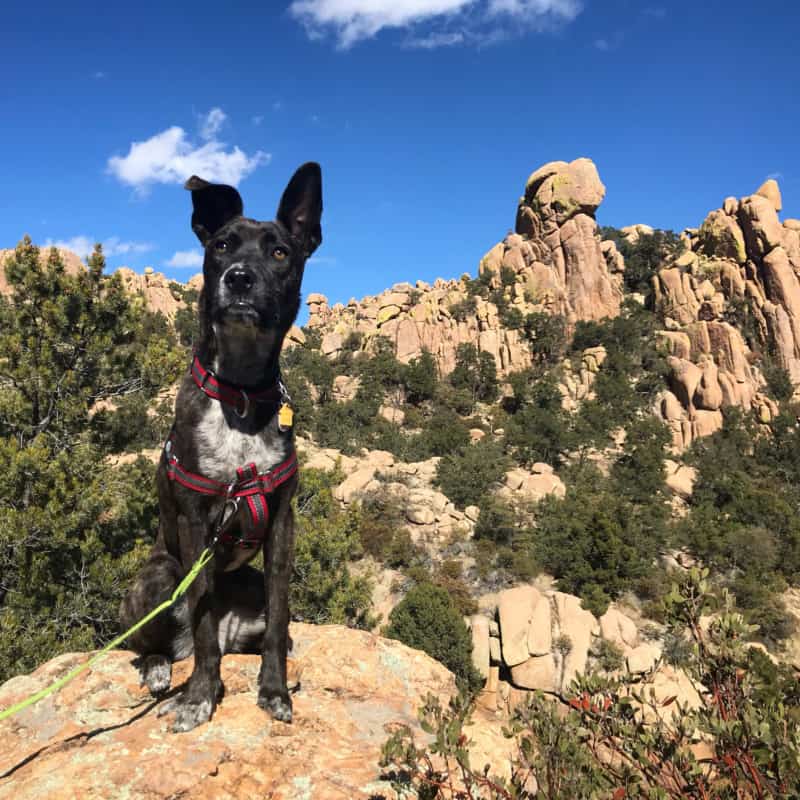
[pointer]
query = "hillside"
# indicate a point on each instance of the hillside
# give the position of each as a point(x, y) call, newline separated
point(508, 471)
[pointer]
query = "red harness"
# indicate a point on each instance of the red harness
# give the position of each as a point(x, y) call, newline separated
point(251, 486)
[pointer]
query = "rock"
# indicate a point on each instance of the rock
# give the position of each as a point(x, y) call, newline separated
point(619, 629)
point(515, 610)
point(316, 299)
point(578, 626)
point(495, 652)
point(563, 190)
point(420, 515)
point(332, 344)
point(642, 658)
point(537, 672)
point(759, 221)
point(540, 628)
point(770, 190)
point(680, 479)
point(354, 484)
point(479, 628)
point(100, 736)
point(472, 513)
point(720, 236)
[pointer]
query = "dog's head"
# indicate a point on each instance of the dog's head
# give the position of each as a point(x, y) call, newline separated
point(252, 270)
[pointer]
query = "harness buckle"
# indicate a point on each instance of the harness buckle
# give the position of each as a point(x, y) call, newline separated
point(227, 514)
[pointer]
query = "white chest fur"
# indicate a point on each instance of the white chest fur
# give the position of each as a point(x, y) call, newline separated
point(221, 449)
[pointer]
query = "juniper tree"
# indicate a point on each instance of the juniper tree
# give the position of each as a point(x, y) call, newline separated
point(72, 528)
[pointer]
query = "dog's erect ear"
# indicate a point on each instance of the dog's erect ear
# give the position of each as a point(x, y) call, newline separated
point(301, 206)
point(214, 204)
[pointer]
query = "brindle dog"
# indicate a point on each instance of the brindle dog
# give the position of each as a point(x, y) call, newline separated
point(252, 273)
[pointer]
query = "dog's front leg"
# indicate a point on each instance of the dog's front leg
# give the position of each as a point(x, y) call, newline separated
point(196, 704)
point(273, 693)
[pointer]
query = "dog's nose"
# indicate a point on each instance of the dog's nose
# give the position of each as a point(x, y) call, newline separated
point(239, 280)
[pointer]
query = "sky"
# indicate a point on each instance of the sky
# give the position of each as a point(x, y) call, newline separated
point(427, 117)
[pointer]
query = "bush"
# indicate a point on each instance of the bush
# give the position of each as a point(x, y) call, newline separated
point(428, 619)
point(595, 541)
point(644, 257)
point(322, 589)
point(475, 373)
point(467, 475)
point(601, 745)
point(547, 337)
point(539, 430)
point(420, 378)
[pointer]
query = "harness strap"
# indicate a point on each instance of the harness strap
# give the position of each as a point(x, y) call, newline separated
point(234, 396)
point(249, 484)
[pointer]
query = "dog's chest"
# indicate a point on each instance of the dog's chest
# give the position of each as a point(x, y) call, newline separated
point(222, 449)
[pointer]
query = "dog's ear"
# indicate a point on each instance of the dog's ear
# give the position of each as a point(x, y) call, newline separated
point(301, 206)
point(214, 204)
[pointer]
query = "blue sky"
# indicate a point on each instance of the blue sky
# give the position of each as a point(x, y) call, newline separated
point(426, 115)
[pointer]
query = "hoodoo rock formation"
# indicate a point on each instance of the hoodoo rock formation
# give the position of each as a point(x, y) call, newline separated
point(730, 297)
point(556, 257)
point(734, 293)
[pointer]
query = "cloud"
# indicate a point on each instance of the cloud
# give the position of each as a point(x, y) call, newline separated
point(212, 123)
point(351, 21)
point(113, 246)
point(99, 75)
point(184, 259)
point(171, 157)
point(656, 12)
point(608, 43)
point(257, 119)
point(434, 40)
point(277, 106)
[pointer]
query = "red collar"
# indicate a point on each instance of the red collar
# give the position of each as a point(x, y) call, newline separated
point(234, 396)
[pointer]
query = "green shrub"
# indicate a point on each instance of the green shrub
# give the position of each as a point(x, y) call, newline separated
point(428, 619)
point(327, 539)
point(467, 475)
point(420, 378)
point(613, 741)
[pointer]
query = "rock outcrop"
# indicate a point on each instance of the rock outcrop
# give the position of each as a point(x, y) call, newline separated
point(735, 292)
point(541, 639)
point(72, 264)
point(557, 260)
point(99, 737)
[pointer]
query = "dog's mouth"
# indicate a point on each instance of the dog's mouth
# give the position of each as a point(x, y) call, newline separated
point(241, 310)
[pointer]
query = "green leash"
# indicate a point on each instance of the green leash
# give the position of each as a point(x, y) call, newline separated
point(205, 557)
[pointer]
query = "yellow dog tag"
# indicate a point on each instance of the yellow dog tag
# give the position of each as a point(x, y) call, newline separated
point(285, 417)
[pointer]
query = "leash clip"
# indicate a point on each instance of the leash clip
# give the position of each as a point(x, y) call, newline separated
point(242, 414)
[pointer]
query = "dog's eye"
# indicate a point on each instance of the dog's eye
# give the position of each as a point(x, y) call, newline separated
point(279, 254)
point(221, 246)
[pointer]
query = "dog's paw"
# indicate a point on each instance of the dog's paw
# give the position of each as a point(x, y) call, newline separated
point(156, 674)
point(188, 713)
point(278, 707)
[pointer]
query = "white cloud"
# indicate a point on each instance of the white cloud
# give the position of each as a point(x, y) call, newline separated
point(602, 44)
point(277, 106)
point(183, 259)
point(99, 75)
point(212, 123)
point(171, 157)
point(257, 119)
point(353, 20)
point(556, 10)
point(113, 246)
point(434, 40)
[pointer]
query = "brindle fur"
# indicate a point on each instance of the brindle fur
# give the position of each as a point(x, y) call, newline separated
point(250, 298)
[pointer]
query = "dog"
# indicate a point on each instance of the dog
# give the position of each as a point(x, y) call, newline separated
point(228, 470)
